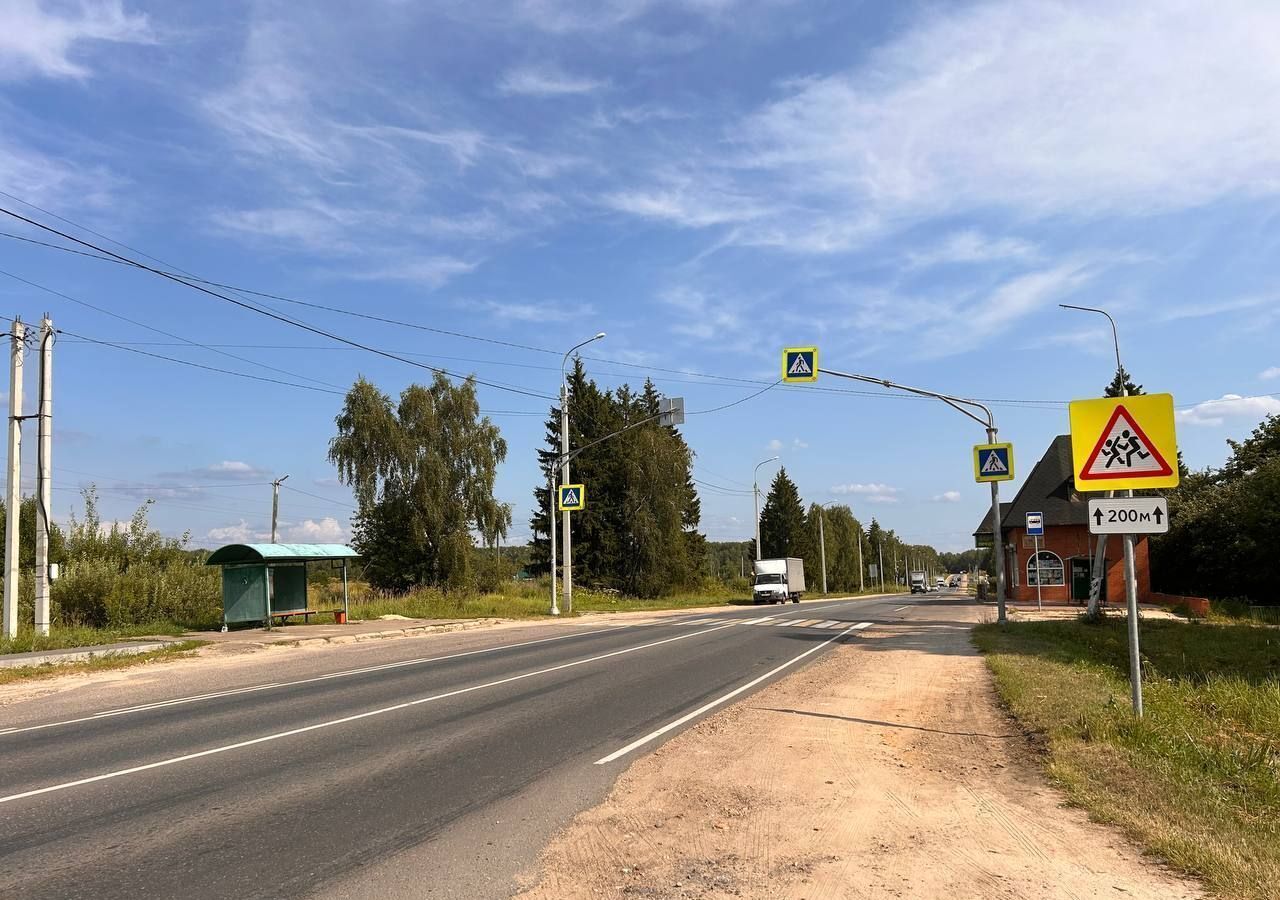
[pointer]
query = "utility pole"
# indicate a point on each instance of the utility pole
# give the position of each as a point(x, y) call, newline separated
point(551, 528)
point(861, 588)
point(13, 495)
point(822, 541)
point(895, 564)
point(880, 570)
point(275, 504)
point(44, 477)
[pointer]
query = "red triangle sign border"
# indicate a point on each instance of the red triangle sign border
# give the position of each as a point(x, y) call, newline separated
point(1164, 470)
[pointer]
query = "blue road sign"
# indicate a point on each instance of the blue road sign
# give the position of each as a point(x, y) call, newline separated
point(572, 497)
point(1035, 524)
point(993, 462)
point(800, 364)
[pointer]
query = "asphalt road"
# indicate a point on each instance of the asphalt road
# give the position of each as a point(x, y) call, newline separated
point(415, 768)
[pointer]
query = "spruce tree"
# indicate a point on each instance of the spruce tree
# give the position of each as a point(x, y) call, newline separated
point(783, 526)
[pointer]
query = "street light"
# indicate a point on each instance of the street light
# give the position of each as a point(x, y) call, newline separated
point(564, 479)
point(755, 495)
point(958, 404)
point(275, 504)
point(1100, 554)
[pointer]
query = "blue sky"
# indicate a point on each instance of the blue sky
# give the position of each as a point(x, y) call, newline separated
point(913, 187)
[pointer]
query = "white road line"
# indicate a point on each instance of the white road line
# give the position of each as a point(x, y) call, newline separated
point(212, 751)
point(177, 701)
point(719, 701)
point(830, 623)
point(901, 608)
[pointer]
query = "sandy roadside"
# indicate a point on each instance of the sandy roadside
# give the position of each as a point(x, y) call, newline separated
point(886, 769)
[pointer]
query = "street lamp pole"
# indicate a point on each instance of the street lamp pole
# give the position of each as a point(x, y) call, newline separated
point(1100, 555)
point(755, 495)
point(989, 423)
point(564, 473)
point(822, 539)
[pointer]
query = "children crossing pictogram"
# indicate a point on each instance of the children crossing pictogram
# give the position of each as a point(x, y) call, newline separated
point(1124, 451)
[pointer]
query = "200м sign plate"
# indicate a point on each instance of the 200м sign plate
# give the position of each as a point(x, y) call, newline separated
point(1129, 515)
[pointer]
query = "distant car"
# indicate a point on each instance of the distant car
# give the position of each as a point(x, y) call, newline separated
point(940, 584)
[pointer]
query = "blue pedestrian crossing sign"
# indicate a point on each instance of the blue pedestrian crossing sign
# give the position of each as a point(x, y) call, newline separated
point(572, 497)
point(992, 462)
point(799, 364)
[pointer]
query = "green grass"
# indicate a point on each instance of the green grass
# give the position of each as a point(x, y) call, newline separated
point(63, 637)
point(521, 600)
point(26, 673)
point(1197, 781)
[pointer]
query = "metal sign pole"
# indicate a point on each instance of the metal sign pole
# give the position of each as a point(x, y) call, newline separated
point(1039, 603)
point(1131, 595)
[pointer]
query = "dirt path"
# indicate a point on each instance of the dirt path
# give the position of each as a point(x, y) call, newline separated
point(884, 770)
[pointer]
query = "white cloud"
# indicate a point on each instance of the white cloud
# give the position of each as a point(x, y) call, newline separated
point(973, 247)
point(797, 444)
point(239, 533)
point(431, 271)
point(948, 497)
point(546, 81)
point(309, 531)
point(686, 206)
point(226, 470)
point(702, 316)
point(1230, 406)
point(36, 39)
point(873, 492)
point(774, 445)
point(1269, 374)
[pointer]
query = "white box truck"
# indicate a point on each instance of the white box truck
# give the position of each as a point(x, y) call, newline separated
point(778, 580)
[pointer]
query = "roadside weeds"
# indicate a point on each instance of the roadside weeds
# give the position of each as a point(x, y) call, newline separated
point(108, 662)
point(1197, 781)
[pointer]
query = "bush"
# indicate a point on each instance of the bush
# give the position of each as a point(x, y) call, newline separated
point(96, 592)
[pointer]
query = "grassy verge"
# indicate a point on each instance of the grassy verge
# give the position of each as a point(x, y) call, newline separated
point(1197, 781)
point(25, 673)
point(523, 600)
point(63, 637)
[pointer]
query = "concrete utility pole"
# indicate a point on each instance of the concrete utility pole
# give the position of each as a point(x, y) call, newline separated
point(822, 539)
point(1100, 555)
point(959, 404)
point(564, 469)
point(755, 495)
point(13, 494)
point(44, 478)
point(860, 567)
point(880, 568)
point(275, 504)
point(551, 529)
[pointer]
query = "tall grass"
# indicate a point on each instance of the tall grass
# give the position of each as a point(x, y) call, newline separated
point(1197, 780)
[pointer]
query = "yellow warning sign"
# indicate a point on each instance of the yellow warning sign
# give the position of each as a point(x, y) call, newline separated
point(572, 497)
point(1124, 443)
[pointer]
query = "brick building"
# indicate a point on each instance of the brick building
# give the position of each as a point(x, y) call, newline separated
point(1067, 547)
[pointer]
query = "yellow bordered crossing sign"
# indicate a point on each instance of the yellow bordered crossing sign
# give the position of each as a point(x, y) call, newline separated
point(573, 497)
point(799, 364)
point(1124, 443)
point(992, 462)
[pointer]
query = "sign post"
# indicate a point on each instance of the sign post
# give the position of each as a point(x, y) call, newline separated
point(1035, 528)
point(1125, 443)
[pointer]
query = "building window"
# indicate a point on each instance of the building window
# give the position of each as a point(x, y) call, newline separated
point(1051, 574)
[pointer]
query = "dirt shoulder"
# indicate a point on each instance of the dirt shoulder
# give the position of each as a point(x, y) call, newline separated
point(886, 769)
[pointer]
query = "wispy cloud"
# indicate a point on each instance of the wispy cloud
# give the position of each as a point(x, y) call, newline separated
point(1230, 406)
point(226, 470)
point(546, 81)
point(947, 497)
point(40, 39)
point(973, 247)
point(431, 271)
point(873, 492)
point(1269, 374)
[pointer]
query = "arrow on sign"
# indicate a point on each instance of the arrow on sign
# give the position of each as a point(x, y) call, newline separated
point(1097, 515)
point(1159, 514)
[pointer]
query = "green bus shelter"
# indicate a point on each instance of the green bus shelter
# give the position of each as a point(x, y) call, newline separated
point(262, 581)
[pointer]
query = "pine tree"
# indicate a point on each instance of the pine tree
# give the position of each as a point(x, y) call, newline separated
point(783, 526)
point(1122, 379)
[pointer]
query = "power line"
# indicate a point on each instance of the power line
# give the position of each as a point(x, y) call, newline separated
point(196, 365)
point(317, 496)
point(184, 341)
point(288, 320)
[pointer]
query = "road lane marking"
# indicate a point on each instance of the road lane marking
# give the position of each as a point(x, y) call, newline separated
point(721, 700)
point(178, 701)
point(901, 608)
point(830, 623)
point(346, 673)
point(239, 745)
